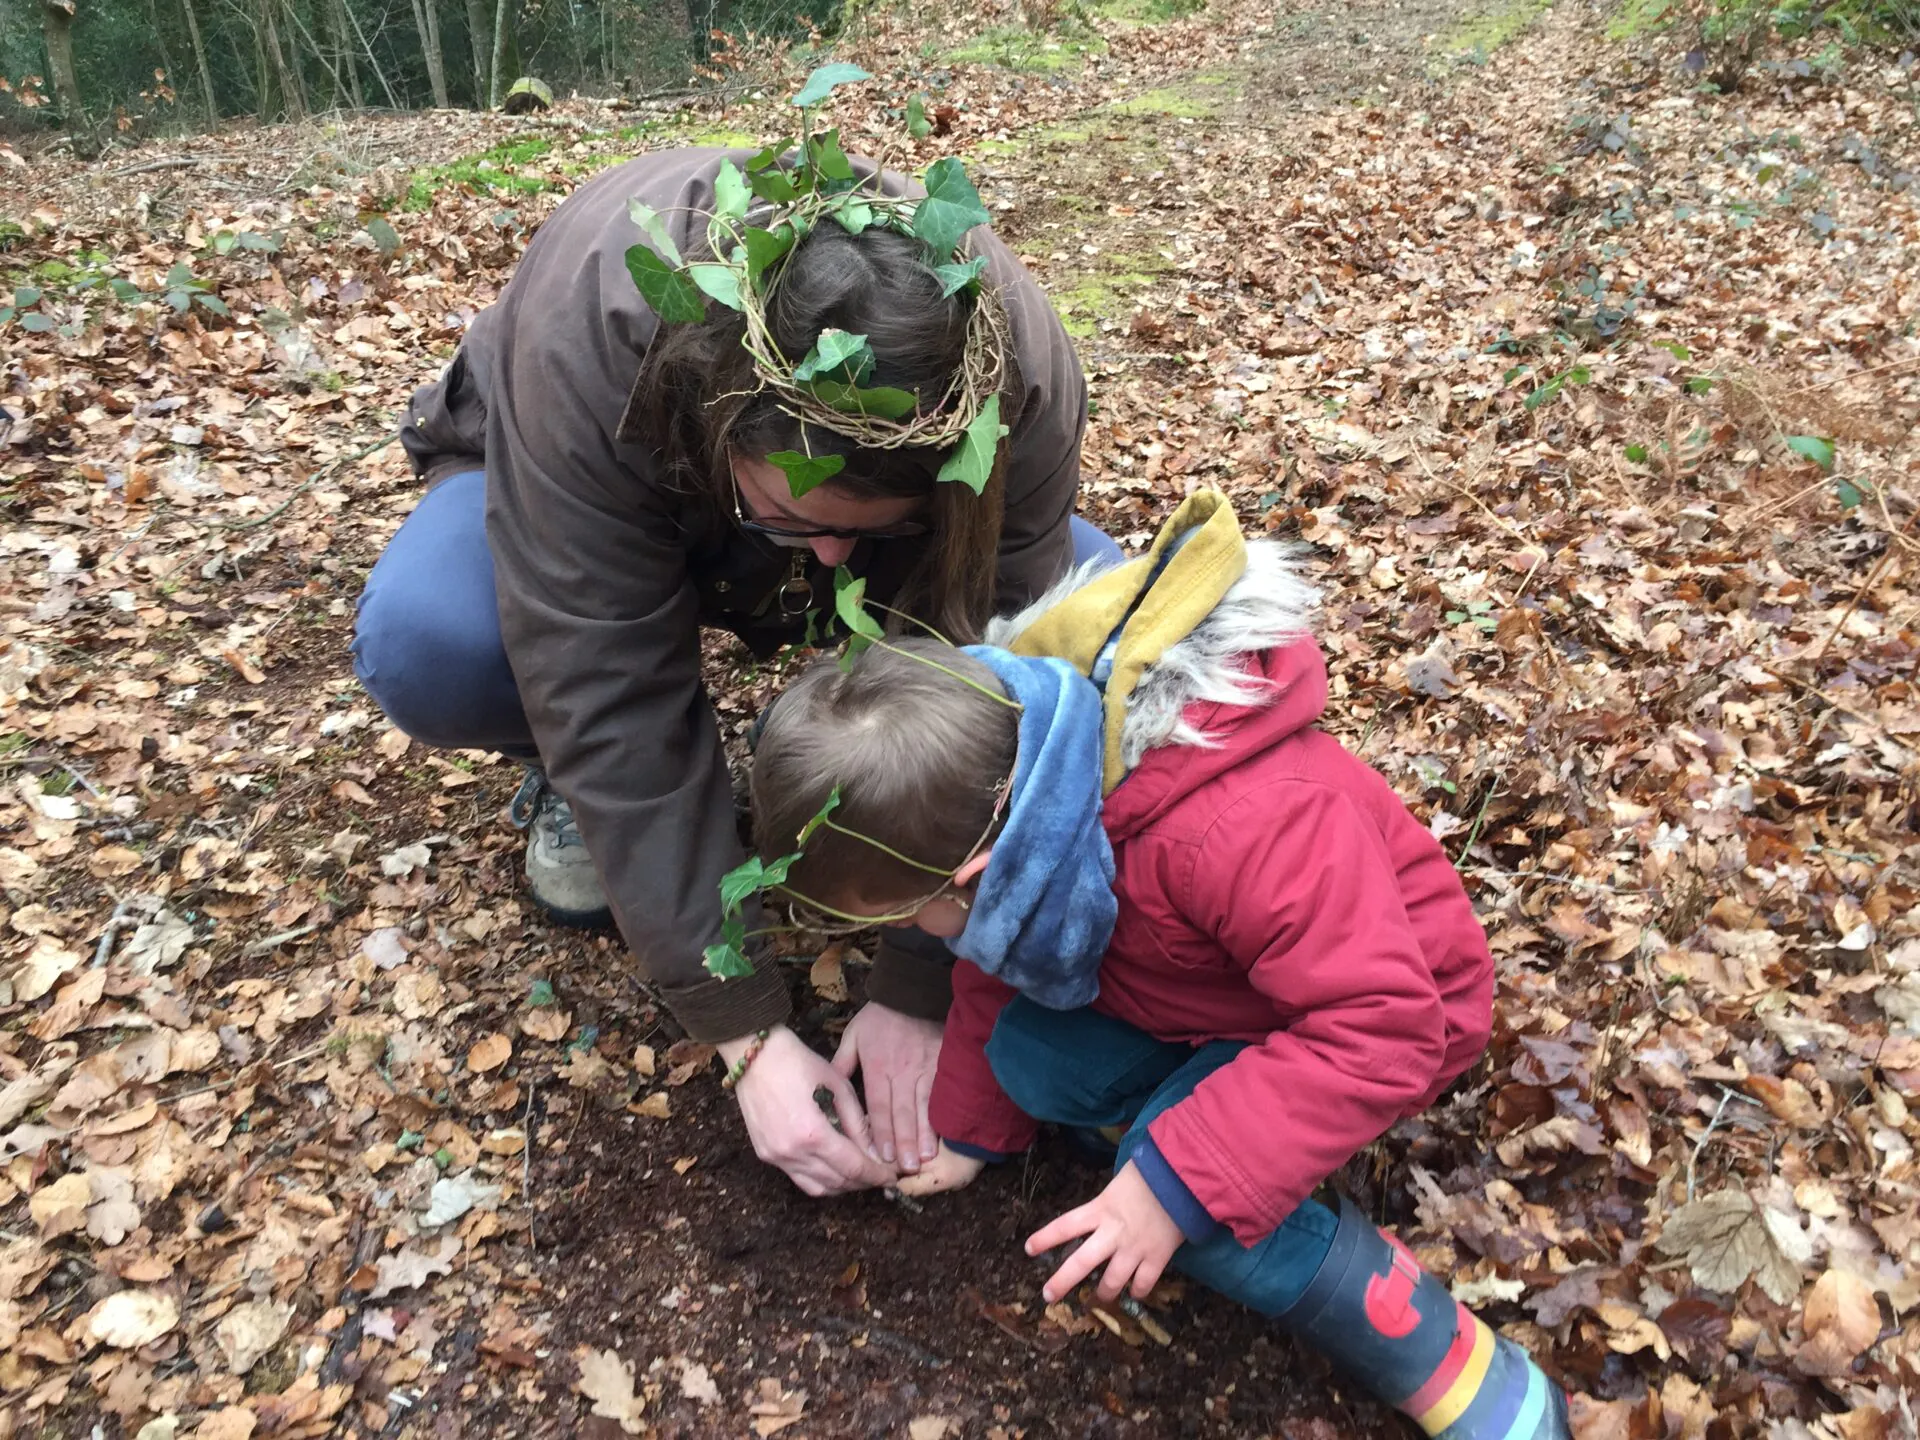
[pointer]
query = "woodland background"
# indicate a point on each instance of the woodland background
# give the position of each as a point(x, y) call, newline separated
point(1580, 346)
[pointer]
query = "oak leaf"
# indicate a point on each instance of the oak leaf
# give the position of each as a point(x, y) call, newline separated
point(62, 1206)
point(607, 1380)
point(248, 1332)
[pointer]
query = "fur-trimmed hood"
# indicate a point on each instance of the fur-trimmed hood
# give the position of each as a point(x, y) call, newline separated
point(1271, 605)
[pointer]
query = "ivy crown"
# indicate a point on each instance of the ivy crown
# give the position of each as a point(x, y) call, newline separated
point(761, 212)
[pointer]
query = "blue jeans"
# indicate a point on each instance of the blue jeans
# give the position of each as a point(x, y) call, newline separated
point(1081, 1068)
point(427, 641)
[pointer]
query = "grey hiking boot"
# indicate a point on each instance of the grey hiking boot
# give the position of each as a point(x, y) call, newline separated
point(559, 871)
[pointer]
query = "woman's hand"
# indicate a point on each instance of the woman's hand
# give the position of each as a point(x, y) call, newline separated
point(895, 1055)
point(948, 1170)
point(788, 1128)
point(1128, 1231)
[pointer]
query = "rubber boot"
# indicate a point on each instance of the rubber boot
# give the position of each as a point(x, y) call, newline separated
point(1373, 1311)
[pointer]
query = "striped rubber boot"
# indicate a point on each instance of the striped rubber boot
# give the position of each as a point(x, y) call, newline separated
point(1372, 1310)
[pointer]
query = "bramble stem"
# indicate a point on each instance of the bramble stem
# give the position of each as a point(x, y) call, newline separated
point(812, 904)
point(888, 850)
point(994, 695)
point(915, 620)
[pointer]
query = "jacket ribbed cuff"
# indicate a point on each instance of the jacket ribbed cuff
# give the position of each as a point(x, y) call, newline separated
point(712, 1010)
point(916, 980)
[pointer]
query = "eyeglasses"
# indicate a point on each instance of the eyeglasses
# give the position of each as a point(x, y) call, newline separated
point(899, 530)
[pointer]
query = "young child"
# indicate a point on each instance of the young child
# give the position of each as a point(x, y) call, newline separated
point(1183, 914)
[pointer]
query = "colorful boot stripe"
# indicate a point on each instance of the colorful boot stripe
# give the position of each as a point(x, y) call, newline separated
point(1456, 1384)
point(1372, 1309)
point(1533, 1409)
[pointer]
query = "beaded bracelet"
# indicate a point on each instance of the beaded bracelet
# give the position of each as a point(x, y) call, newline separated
point(739, 1067)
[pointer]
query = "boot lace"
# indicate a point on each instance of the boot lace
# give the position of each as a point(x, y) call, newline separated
point(536, 801)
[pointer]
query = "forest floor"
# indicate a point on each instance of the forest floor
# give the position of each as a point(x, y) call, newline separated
point(1592, 387)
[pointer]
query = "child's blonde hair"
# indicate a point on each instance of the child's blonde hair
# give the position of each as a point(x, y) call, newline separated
point(919, 758)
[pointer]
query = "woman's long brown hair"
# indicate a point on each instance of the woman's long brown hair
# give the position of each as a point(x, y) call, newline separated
point(695, 400)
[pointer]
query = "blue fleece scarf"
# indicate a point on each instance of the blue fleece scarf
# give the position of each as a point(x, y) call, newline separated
point(1044, 908)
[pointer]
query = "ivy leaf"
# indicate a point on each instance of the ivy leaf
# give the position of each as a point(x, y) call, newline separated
point(766, 159)
point(837, 352)
point(883, 400)
point(722, 282)
point(27, 296)
point(36, 323)
point(918, 125)
point(1848, 493)
point(648, 219)
point(741, 884)
point(971, 463)
point(1816, 448)
point(824, 81)
point(1543, 393)
point(833, 800)
point(849, 603)
point(1637, 454)
point(730, 194)
point(670, 292)
point(826, 156)
point(855, 217)
point(951, 209)
point(776, 187)
point(763, 248)
point(385, 238)
point(807, 472)
point(726, 961)
point(213, 303)
point(541, 993)
point(960, 275)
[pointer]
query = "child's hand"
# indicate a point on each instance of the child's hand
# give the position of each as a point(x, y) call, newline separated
point(948, 1170)
point(1127, 1230)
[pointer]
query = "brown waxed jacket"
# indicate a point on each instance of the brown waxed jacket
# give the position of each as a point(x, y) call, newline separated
point(605, 574)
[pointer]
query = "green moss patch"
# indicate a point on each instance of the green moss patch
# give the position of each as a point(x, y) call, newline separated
point(1163, 102)
point(495, 171)
point(1014, 47)
point(1480, 34)
point(1108, 292)
point(1144, 12)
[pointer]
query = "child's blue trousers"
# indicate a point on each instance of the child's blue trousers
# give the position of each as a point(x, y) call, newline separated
point(1080, 1068)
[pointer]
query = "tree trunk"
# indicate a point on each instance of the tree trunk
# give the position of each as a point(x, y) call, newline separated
point(200, 55)
point(366, 49)
point(56, 18)
point(496, 89)
point(482, 38)
point(428, 19)
point(292, 97)
point(341, 34)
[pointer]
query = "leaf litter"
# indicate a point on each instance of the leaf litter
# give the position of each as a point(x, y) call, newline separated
point(1605, 452)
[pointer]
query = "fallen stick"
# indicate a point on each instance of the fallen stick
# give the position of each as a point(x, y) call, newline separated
point(178, 162)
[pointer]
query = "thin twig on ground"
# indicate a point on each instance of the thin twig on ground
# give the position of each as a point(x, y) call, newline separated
point(1693, 1159)
point(117, 922)
point(526, 1167)
point(332, 466)
point(172, 162)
